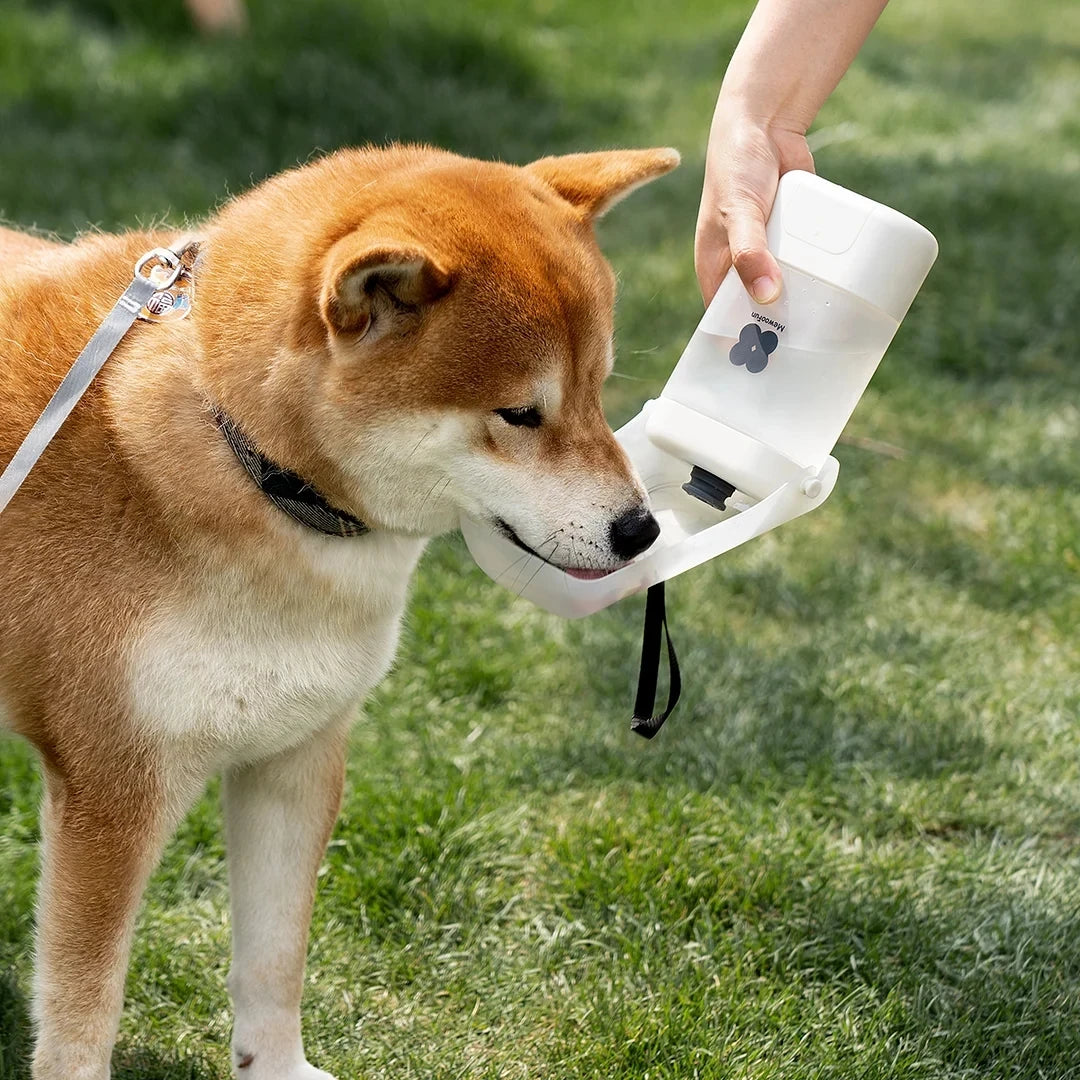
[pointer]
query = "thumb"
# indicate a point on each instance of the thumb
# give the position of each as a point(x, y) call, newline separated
point(750, 254)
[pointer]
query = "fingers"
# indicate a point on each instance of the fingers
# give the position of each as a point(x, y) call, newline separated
point(712, 258)
point(743, 165)
point(750, 254)
point(743, 243)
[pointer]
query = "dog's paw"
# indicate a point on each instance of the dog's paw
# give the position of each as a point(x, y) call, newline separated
point(309, 1072)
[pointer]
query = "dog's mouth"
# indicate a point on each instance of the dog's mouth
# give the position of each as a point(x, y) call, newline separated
point(583, 573)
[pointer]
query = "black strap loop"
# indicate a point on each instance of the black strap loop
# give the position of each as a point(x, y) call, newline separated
point(644, 722)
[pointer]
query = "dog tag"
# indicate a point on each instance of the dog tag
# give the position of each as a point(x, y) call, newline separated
point(171, 304)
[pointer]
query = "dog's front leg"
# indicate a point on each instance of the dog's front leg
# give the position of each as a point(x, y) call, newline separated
point(102, 834)
point(278, 818)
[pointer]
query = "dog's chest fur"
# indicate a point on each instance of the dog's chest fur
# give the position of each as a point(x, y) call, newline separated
point(255, 659)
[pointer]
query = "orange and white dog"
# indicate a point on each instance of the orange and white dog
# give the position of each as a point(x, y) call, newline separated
point(378, 342)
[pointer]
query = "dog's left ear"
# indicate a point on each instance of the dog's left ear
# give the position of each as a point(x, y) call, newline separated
point(377, 281)
point(593, 183)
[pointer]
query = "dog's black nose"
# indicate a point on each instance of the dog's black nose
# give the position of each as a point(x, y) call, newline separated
point(633, 532)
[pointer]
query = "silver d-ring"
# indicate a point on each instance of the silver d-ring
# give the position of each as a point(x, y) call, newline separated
point(166, 258)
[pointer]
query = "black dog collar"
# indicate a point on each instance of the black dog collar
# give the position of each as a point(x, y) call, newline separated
point(289, 492)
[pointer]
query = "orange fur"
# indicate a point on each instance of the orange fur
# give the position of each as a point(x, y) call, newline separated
point(333, 306)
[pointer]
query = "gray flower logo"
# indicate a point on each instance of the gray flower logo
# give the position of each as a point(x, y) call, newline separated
point(753, 348)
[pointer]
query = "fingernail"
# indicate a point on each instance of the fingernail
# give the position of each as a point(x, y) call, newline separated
point(765, 289)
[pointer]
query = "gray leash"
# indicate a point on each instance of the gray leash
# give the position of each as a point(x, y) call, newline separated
point(145, 285)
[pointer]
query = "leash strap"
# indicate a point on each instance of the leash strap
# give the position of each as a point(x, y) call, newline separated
point(645, 722)
point(87, 365)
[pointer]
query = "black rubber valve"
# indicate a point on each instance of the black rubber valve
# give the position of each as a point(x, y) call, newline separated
point(708, 488)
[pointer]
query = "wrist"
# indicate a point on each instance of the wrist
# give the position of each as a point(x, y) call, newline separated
point(739, 105)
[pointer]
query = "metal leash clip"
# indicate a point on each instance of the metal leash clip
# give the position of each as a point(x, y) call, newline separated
point(170, 272)
point(160, 290)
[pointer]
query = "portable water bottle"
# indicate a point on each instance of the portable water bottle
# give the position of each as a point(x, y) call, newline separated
point(739, 440)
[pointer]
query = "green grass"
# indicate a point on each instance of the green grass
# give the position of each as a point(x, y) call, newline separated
point(855, 849)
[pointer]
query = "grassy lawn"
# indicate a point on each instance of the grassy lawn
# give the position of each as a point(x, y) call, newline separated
point(855, 849)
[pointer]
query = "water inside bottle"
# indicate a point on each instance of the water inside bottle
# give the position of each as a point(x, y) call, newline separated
point(788, 374)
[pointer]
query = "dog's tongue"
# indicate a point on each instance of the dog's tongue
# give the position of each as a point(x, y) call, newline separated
point(587, 575)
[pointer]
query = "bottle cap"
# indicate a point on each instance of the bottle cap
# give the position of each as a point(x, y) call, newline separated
point(850, 242)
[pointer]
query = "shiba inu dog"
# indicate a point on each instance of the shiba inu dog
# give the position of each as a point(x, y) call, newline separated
point(206, 570)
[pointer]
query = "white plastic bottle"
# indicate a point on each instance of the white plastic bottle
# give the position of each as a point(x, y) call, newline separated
point(789, 374)
point(759, 396)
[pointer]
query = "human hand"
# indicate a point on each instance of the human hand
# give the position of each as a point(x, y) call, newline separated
point(745, 159)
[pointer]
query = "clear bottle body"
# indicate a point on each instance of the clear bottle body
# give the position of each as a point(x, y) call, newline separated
point(788, 374)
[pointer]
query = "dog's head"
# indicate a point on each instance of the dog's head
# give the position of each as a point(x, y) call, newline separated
point(448, 335)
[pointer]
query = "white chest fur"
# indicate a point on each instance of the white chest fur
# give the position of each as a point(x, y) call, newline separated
point(258, 657)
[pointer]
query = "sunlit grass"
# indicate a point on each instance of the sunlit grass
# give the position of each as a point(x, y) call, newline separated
point(853, 851)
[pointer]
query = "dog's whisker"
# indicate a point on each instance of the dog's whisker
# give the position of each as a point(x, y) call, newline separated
point(535, 572)
point(445, 484)
point(652, 478)
point(522, 565)
point(541, 560)
point(525, 558)
point(419, 442)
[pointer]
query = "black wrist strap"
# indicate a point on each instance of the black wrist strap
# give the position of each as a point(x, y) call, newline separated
point(644, 722)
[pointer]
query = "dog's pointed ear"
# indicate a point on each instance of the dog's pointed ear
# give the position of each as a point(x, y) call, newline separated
point(368, 281)
point(593, 183)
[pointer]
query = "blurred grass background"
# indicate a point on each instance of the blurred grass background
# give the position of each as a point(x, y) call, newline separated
point(855, 849)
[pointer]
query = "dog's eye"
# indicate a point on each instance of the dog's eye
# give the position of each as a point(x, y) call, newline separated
point(529, 416)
